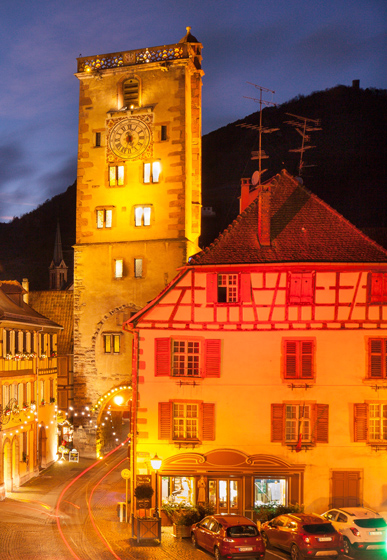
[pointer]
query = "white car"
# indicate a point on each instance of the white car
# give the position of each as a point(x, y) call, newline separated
point(362, 528)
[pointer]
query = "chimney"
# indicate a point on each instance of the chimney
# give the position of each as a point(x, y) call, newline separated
point(356, 84)
point(26, 287)
point(245, 191)
point(264, 217)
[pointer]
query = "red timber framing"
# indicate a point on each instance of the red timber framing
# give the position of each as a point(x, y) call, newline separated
point(340, 299)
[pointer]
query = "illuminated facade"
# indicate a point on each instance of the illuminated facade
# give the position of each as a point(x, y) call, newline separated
point(28, 380)
point(261, 369)
point(138, 205)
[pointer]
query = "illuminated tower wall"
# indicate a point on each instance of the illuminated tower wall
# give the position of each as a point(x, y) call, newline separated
point(138, 200)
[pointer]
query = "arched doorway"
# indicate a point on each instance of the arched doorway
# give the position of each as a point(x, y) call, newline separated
point(7, 465)
point(114, 419)
point(42, 448)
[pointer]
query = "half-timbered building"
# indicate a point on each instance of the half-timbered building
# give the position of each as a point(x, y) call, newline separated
point(28, 389)
point(261, 370)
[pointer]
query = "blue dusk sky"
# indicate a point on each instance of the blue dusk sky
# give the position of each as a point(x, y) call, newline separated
point(290, 46)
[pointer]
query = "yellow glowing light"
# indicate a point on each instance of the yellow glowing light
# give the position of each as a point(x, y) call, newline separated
point(119, 399)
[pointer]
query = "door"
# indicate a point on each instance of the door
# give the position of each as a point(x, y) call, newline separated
point(226, 494)
point(345, 489)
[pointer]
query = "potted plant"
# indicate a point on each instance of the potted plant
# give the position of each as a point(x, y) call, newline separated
point(183, 517)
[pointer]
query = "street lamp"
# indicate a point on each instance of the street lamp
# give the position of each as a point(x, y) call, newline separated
point(156, 464)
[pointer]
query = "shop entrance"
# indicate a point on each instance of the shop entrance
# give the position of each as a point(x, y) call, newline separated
point(225, 494)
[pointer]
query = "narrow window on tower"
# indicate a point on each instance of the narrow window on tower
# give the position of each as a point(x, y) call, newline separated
point(104, 218)
point(163, 133)
point(97, 139)
point(138, 268)
point(142, 216)
point(118, 268)
point(131, 93)
point(116, 175)
point(152, 172)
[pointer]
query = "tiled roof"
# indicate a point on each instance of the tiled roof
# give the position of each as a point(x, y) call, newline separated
point(303, 228)
point(17, 311)
point(58, 306)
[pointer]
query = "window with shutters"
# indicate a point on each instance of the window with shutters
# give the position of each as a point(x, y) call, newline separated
point(228, 288)
point(299, 358)
point(185, 357)
point(300, 287)
point(299, 423)
point(371, 422)
point(377, 287)
point(377, 358)
point(187, 421)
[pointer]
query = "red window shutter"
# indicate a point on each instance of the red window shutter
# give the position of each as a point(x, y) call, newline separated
point(375, 357)
point(320, 423)
point(361, 421)
point(212, 287)
point(212, 353)
point(291, 359)
point(245, 287)
point(277, 422)
point(165, 420)
point(307, 288)
point(162, 356)
point(208, 421)
point(306, 366)
point(294, 288)
point(376, 285)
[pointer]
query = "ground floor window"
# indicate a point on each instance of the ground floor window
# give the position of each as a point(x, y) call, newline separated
point(177, 490)
point(269, 490)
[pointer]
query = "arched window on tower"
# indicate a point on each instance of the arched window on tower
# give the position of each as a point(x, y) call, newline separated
point(131, 93)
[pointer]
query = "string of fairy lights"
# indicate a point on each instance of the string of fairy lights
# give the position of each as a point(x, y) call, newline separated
point(107, 420)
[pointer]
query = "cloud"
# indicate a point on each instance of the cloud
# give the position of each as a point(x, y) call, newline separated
point(57, 180)
point(13, 164)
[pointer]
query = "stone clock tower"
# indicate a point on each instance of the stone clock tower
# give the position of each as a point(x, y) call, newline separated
point(138, 211)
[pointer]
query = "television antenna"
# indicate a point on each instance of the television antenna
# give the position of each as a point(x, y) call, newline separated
point(260, 154)
point(304, 126)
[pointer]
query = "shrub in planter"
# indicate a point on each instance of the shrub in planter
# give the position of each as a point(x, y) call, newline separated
point(268, 511)
point(205, 509)
point(143, 494)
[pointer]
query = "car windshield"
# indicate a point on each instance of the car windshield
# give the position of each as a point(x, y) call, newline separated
point(371, 523)
point(319, 528)
point(240, 531)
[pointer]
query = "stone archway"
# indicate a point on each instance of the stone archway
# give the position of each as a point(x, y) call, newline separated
point(114, 417)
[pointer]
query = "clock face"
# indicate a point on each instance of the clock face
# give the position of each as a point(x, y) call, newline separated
point(129, 138)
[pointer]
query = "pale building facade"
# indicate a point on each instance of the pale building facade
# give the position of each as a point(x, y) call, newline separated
point(138, 203)
point(262, 366)
point(28, 379)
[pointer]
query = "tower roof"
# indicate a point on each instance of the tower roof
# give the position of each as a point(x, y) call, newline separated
point(189, 38)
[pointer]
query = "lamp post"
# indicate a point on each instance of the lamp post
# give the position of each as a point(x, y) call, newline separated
point(156, 464)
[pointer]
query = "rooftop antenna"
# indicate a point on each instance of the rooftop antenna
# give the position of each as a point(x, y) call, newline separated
point(303, 125)
point(260, 154)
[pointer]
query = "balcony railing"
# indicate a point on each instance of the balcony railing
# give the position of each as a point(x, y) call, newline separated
point(130, 58)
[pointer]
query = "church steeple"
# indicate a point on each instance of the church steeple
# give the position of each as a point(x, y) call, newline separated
point(58, 269)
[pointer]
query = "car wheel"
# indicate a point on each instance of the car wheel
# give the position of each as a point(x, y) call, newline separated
point(217, 554)
point(266, 541)
point(295, 553)
point(347, 546)
point(194, 541)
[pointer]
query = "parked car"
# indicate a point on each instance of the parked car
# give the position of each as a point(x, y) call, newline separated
point(303, 535)
point(228, 536)
point(362, 528)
